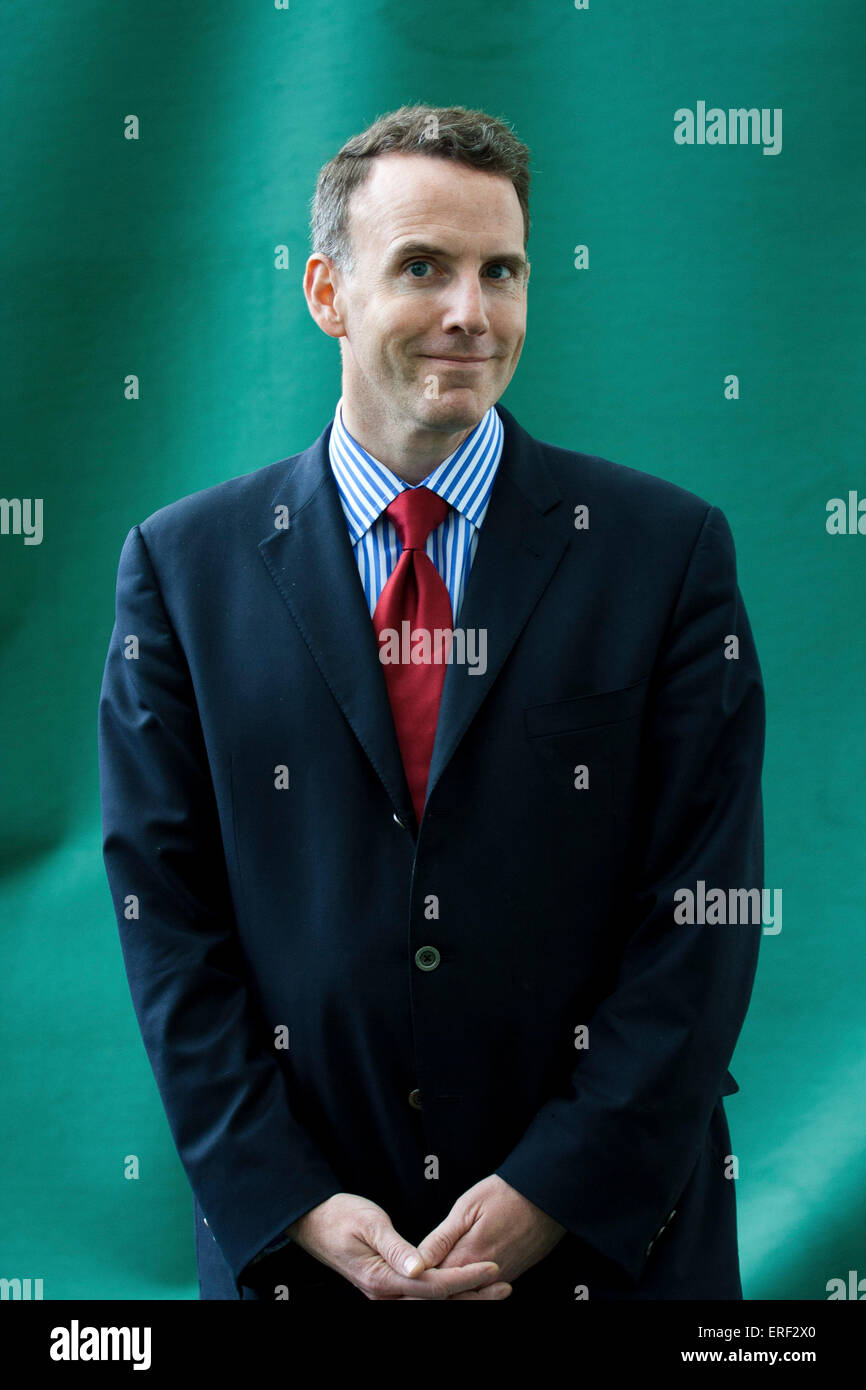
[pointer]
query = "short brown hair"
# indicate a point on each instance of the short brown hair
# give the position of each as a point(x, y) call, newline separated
point(444, 132)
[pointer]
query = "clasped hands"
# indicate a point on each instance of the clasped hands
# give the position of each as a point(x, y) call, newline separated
point(490, 1236)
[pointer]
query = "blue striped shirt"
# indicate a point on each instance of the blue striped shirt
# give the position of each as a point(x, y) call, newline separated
point(366, 487)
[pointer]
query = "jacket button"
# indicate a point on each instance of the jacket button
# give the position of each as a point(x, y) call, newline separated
point(427, 958)
point(398, 821)
point(415, 1099)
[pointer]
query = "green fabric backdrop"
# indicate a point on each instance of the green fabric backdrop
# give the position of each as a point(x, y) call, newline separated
point(156, 257)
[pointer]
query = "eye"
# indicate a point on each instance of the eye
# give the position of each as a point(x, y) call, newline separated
point(417, 270)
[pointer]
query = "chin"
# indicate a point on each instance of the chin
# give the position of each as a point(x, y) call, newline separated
point(454, 409)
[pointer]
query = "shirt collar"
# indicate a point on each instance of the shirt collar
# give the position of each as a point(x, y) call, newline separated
point(464, 479)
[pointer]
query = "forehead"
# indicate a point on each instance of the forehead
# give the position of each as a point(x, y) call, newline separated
point(407, 194)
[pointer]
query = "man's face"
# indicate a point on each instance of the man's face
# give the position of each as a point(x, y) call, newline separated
point(440, 275)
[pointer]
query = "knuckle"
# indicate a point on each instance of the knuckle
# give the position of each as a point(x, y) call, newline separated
point(393, 1252)
point(438, 1248)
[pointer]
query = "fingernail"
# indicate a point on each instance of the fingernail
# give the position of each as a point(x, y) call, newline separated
point(412, 1263)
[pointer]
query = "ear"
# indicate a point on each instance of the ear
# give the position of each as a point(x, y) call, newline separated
point(321, 277)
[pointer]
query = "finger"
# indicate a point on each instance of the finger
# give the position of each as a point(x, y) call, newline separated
point(435, 1246)
point(435, 1283)
point(401, 1257)
point(491, 1293)
point(462, 1255)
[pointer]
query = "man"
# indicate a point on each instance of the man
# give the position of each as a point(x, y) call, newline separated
point(410, 745)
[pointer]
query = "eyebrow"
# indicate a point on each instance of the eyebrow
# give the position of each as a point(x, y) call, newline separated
point(516, 263)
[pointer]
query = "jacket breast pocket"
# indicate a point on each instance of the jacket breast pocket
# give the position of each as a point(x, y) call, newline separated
point(588, 747)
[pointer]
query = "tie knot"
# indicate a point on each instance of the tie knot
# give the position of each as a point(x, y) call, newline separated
point(416, 512)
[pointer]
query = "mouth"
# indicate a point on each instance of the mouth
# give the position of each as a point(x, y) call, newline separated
point(457, 361)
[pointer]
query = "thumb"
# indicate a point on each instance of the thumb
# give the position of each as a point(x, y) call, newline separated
point(435, 1246)
point(402, 1257)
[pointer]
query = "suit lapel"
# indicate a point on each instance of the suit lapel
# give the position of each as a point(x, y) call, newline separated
point(314, 569)
point(313, 566)
point(518, 551)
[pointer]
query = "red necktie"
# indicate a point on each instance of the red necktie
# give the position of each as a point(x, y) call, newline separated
point(414, 593)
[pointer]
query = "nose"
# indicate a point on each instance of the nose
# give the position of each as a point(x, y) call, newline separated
point(465, 310)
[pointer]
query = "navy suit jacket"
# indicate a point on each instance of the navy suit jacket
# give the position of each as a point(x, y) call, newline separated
point(272, 890)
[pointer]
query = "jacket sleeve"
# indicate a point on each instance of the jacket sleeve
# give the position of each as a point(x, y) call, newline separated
point(252, 1166)
point(610, 1159)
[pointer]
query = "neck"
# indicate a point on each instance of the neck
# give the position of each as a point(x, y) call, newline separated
point(410, 451)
